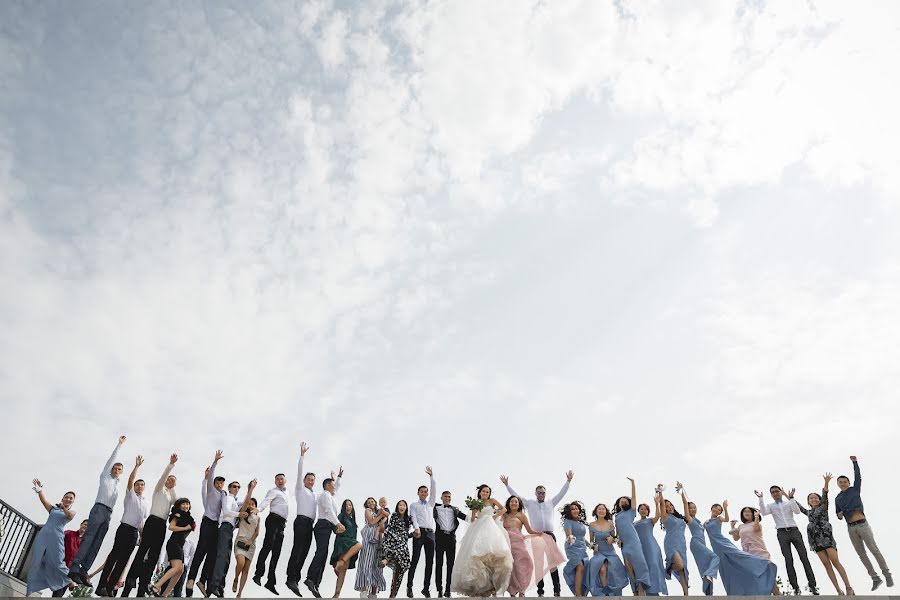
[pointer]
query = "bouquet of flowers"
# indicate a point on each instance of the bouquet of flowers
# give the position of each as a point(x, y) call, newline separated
point(474, 504)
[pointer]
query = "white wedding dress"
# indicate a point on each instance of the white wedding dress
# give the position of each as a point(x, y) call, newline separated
point(484, 560)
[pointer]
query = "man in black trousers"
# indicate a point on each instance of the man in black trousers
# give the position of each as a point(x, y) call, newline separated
point(276, 501)
point(327, 523)
point(447, 518)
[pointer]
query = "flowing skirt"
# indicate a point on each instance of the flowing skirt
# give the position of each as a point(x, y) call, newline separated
point(533, 558)
point(369, 572)
point(484, 562)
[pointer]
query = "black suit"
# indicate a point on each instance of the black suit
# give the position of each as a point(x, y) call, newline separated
point(445, 543)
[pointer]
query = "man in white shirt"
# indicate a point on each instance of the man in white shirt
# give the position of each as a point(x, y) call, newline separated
point(211, 493)
point(136, 510)
point(98, 519)
point(542, 516)
point(422, 514)
point(276, 501)
point(327, 523)
point(303, 523)
point(228, 520)
point(153, 533)
point(788, 534)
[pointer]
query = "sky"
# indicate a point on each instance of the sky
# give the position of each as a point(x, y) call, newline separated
point(627, 238)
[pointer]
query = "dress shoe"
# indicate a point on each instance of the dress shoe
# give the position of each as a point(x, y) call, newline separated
point(409, 593)
point(427, 594)
point(257, 580)
point(312, 588)
point(292, 585)
point(270, 585)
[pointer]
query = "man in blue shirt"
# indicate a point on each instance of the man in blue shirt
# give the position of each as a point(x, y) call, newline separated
point(848, 506)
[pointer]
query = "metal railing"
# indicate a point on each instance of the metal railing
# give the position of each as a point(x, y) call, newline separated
point(16, 537)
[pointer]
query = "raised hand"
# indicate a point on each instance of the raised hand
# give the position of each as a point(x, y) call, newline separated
point(37, 487)
point(252, 485)
point(340, 472)
point(303, 448)
point(758, 493)
point(853, 458)
point(122, 439)
point(504, 480)
point(219, 455)
point(173, 459)
point(570, 474)
point(733, 523)
point(725, 504)
point(631, 479)
point(791, 493)
point(429, 472)
point(138, 460)
point(827, 478)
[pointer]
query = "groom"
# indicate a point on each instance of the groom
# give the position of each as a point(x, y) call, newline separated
point(447, 518)
point(541, 515)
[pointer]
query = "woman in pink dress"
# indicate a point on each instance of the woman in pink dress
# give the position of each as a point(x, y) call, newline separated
point(534, 555)
point(749, 533)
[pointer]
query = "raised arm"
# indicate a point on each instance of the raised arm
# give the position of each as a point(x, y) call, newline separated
point(37, 487)
point(659, 510)
point(687, 512)
point(724, 518)
point(857, 477)
point(300, 474)
point(211, 473)
point(112, 457)
point(633, 493)
point(250, 487)
point(432, 494)
point(504, 479)
point(166, 472)
point(565, 488)
point(138, 461)
point(337, 480)
point(763, 509)
point(662, 507)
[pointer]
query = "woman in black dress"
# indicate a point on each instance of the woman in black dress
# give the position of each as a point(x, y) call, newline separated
point(821, 540)
point(396, 544)
point(181, 523)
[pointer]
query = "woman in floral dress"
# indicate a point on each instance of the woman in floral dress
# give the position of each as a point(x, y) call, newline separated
point(821, 539)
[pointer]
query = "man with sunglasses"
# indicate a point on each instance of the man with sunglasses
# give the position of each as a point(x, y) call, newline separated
point(542, 517)
point(228, 519)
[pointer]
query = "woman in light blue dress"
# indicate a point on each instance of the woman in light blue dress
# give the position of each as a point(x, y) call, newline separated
point(652, 553)
point(576, 548)
point(606, 574)
point(632, 551)
point(742, 573)
point(674, 546)
point(706, 559)
point(48, 564)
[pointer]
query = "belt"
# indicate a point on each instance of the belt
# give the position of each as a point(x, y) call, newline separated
point(855, 523)
point(271, 514)
point(787, 529)
point(549, 532)
point(305, 518)
point(426, 529)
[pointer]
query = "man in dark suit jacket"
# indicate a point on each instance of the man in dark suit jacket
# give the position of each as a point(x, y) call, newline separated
point(447, 518)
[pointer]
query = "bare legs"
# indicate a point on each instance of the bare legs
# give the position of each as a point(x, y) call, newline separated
point(165, 584)
point(242, 570)
point(678, 568)
point(579, 576)
point(340, 568)
point(640, 586)
point(830, 561)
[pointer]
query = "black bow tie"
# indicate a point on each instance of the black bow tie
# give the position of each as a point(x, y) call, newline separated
point(447, 506)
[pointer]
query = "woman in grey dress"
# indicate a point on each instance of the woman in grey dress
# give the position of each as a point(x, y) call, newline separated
point(821, 539)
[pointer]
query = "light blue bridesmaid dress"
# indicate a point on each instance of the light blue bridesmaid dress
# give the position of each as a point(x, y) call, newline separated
point(653, 556)
point(706, 559)
point(632, 551)
point(616, 574)
point(576, 552)
point(674, 544)
point(742, 574)
point(48, 555)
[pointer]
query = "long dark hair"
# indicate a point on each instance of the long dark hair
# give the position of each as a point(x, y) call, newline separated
point(255, 505)
point(617, 508)
point(675, 512)
point(753, 512)
point(521, 504)
point(582, 515)
point(406, 519)
point(343, 514)
point(608, 516)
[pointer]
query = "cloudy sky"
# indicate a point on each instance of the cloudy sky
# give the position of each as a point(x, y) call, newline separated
point(520, 237)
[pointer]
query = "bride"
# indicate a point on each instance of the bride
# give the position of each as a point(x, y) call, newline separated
point(484, 561)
